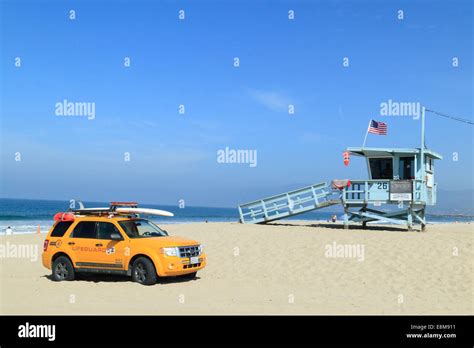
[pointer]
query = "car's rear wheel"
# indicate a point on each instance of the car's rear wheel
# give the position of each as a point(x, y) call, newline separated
point(63, 269)
point(143, 271)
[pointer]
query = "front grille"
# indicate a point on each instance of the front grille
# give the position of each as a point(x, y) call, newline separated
point(192, 266)
point(189, 251)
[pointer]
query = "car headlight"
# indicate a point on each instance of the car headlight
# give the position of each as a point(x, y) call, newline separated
point(200, 248)
point(170, 251)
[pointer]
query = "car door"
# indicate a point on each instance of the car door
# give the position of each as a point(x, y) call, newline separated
point(114, 255)
point(83, 244)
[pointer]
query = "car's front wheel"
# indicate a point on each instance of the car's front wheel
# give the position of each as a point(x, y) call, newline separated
point(143, 271)
point(63, 269)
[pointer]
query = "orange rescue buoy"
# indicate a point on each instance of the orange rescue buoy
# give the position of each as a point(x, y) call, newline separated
point(64, 217)
point(346, 158)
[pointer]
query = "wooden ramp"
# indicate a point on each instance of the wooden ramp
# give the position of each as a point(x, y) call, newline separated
point(288, 204)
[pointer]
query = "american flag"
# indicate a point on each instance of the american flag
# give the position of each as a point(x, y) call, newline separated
point(379, 128)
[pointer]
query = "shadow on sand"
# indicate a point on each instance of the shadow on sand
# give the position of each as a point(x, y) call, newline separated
point(114, 278)
point(336, 226)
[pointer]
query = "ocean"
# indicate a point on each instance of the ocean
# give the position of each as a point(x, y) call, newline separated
point(24, 216)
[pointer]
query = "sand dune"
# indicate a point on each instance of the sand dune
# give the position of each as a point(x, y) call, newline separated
point(283, 268)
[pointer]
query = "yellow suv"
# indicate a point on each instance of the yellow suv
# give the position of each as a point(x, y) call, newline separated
point(106, 241)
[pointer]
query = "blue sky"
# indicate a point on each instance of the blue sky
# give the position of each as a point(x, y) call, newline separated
point(190, 62)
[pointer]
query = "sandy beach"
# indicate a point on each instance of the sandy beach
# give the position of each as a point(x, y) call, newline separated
point(283, 268)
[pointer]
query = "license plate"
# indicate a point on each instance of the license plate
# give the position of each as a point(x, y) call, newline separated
point(194, 260)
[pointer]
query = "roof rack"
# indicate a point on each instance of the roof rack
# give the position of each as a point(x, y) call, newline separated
point(124, 204)
point(111, 210)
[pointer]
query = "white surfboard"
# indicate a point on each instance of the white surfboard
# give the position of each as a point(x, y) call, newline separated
point(144, 211)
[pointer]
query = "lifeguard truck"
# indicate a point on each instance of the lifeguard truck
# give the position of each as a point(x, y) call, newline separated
point(117, 240)
point(400, 184)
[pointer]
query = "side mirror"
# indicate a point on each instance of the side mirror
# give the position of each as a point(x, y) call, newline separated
point(116, 236)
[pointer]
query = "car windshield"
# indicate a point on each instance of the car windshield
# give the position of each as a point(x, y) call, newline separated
point(141, 228)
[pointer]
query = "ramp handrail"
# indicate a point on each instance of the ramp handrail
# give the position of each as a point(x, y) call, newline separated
point(287, 204)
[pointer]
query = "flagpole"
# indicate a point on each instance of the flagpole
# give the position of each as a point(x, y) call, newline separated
point(366, 133)
point(422, 145)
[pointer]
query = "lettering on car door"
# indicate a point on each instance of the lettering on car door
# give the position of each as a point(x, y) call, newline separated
point(114, 249)
point(83, 243)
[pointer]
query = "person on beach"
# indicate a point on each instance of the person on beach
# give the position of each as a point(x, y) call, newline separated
point(9, 231)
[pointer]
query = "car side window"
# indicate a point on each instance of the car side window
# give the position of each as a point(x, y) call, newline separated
point(105, 229)
point(84, 229)
point(60, 228)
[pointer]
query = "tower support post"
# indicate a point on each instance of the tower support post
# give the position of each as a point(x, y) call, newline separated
point(346, 217)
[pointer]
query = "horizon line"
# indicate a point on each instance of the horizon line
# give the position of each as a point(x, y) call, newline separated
point(98, 201)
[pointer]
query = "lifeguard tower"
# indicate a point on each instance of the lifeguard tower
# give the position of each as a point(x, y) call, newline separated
point(397, 176)
point(400, 184)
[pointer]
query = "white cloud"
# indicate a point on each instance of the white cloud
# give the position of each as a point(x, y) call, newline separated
point(275, 101)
